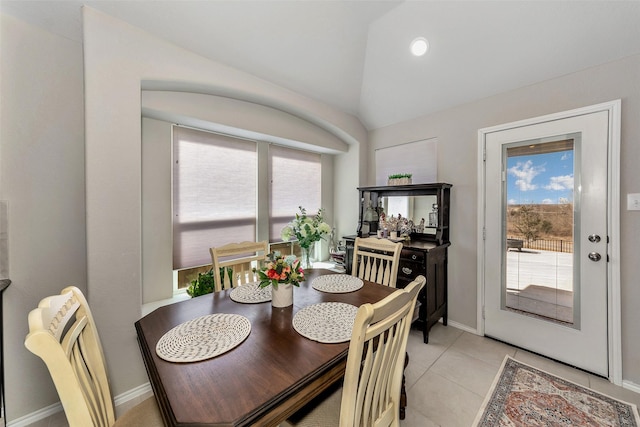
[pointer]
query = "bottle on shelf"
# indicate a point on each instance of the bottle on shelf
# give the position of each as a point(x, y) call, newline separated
point(433, 216)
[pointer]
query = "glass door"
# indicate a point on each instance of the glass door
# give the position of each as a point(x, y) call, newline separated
point(545, 245)
point(538, 211)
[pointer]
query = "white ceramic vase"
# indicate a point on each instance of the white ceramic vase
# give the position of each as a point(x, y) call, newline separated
point(282, 296)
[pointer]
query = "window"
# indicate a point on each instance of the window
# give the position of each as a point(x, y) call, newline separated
point(296, 180)
point(214, 194)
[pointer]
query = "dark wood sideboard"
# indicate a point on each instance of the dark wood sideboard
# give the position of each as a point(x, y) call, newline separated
point(422, 253)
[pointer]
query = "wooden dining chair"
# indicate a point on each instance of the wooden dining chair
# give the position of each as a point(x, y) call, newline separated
point(239, 261)
point(63, 334)
point(370, 394)
point(376, 260)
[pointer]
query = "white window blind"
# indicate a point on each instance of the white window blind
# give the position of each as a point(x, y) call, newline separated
point(214, 194)
point(296, 180)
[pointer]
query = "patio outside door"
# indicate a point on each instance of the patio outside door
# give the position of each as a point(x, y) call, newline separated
point(545, 246)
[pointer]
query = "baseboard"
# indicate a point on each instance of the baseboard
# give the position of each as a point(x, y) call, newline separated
point(37, 416)
point(56, 408)
point(462, 327)
point(134, 393)
point(631, 386)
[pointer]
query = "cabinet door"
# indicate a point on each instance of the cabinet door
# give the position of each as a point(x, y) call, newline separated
point(408, 271)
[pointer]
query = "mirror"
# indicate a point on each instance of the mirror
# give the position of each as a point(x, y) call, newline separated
point(414, 208)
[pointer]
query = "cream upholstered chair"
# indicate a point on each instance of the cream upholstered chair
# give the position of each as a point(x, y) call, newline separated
point(63, 334)
point(376, 260)
point(370, 395)
point(239, 261)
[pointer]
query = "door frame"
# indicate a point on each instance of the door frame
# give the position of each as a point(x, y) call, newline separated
point(614, 327)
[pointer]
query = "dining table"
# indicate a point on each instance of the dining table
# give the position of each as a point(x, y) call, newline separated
point(264, 379)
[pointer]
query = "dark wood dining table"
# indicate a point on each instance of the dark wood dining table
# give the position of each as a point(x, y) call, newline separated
point(263, 380)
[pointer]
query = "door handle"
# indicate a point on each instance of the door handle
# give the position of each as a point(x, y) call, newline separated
point(594, 256)
point(594, 238)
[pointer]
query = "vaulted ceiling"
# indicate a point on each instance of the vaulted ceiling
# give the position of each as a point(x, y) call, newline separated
point(354, 55)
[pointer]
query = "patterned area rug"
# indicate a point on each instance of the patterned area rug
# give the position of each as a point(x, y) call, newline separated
point(522, 395)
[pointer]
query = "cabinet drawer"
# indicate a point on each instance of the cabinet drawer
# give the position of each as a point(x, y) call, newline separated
point(412, 255)
point(410, 270)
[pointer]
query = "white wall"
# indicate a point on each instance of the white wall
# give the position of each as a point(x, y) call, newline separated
point(42, 178)
point(457, 133)
point(113, 161)
point(157, 227)
point(42, 175)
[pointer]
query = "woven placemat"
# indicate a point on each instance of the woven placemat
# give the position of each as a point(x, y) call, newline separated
point(251, 293)
point(203, 337)
point(326, 322)
point(337, 283)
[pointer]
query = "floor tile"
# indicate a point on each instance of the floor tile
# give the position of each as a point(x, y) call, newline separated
point(443, 401)
point(466, 371)
point(605, 386)
point(414, 418)
point(421, 355)
point(485, 349)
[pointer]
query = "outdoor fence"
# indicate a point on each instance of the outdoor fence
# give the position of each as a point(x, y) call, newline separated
point(547, 245)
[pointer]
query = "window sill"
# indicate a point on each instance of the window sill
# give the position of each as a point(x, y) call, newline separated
point(150, 306)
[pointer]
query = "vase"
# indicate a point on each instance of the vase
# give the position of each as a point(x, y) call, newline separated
point(282, 296)
point(307, 256)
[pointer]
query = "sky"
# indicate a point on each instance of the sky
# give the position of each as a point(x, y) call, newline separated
point(540, 178)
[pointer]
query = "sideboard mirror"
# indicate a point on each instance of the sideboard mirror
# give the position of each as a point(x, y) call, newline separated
point(424, 206)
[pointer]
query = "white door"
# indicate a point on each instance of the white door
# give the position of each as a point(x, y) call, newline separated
point(545, 238)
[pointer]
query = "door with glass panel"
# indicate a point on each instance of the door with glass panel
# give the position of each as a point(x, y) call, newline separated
point(545, 269)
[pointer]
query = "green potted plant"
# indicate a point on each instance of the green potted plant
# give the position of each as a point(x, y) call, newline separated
point(399, 179)
point(205, 282)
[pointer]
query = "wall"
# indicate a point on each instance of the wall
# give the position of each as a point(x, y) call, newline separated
point(42, 175)
point(457, 133)
point(157, 228)
point(136, 61)
point(42, 178)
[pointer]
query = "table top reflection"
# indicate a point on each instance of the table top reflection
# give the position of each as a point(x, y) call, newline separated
point(263, 380)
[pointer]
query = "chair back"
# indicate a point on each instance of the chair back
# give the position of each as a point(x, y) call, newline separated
point(376, 260)
point(238, 261)
point(375, 363)
point(63, 334)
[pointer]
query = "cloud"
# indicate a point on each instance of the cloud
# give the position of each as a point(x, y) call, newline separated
point(512, 202)
point(560, 183)
point(565, 156)
point(547, 201)
point(525, 173)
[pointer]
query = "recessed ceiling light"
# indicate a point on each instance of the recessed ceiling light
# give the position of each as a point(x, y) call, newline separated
point(419, 46)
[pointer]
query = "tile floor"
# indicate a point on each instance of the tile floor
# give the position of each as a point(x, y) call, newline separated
point(448, 379)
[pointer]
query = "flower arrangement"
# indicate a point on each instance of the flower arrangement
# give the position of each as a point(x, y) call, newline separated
point(281, 269)
point(307, 230)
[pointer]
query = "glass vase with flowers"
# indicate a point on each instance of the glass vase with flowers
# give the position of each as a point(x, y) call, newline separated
point(307, 230)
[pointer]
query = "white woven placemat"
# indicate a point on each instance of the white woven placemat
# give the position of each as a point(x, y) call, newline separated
point(203, 337)
point(337, 283)
point(326, 322)
point(251, 293)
